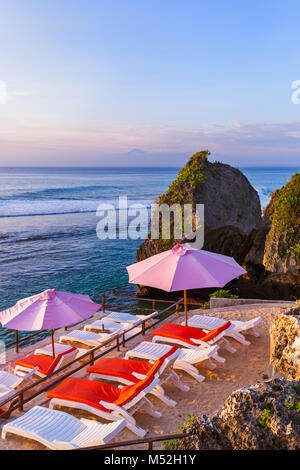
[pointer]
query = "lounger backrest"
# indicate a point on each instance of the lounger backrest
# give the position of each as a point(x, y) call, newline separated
point(60, 360)
point(213, 333)
point(129, 392)
point(164, 361)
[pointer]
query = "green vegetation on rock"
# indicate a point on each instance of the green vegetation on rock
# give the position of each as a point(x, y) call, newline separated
point(265, 418)
point(190, 177)
point(223, 294)
point(286, 216)
point(173, 444)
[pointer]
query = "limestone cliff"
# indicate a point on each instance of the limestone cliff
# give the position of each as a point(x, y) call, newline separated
point(268, 247)
point(231, 205)
point(264, 416)
point(285, 343)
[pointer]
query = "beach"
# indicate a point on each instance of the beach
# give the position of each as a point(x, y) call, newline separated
point(247, 366)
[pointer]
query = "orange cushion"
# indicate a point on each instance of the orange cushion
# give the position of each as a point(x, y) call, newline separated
point(92, 392)
point(185, 333)
point(120, 368)
point(213, 333)
point(124, 368)
point(46, 364)
point(131, 391)
point(43, 362)
point(85, 391)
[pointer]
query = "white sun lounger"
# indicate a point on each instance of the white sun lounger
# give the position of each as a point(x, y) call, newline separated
point(89, 338)
point(9, 382)
point(59, 348)
point(58, 430)
point(185, 361)
point(121, 317)
point(103, 324)
point(164, 373)
point(210, 323)
point(112, 411)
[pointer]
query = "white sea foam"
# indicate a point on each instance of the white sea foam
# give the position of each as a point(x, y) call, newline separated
point(31, 207)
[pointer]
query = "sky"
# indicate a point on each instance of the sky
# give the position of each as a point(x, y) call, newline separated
point(134, 82)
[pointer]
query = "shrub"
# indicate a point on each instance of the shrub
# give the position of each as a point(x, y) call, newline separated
point(223, 294)
point(265, 419)
point(172, 444)
point(286, 215)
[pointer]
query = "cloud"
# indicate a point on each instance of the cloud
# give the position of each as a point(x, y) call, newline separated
point(239, 143)
point(3, 92)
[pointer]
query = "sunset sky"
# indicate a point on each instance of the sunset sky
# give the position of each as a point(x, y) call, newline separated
point(134, 82)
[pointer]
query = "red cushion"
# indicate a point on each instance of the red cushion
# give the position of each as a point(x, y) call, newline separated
point(124, 368)
point(213, 333)
point(131, 391)
point(91, 392)
point(46, 364)
point(30, 362)
point(85, 391)
point(120, 368)
point(185, 333)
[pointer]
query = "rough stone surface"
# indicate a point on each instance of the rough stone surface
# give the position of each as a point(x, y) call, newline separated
point(234, 227)
point(240, 424)
point(285, 343)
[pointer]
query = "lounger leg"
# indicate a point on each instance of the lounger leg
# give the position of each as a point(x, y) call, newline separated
point(218, 358)
point(136, 430)
point(189, 369)
point(253, 331)
point(227, 346)
point(238, 337)
point(211, 365)
point(177, 382)
point(164, 398)
point(147, 406)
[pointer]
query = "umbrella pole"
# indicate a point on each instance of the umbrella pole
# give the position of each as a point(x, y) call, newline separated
point(185, 308)
point(52, 341)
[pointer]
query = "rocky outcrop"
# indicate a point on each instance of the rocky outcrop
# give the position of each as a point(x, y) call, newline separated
point(285, 343)
point(267, 247)
point(223, 190)
point(275, 251)
point(262, 417)
point(282, 247)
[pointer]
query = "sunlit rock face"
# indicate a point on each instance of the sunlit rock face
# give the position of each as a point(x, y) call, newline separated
point(260, 417)
point(285, 343)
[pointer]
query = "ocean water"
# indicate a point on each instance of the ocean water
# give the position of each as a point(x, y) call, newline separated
point(48, 225)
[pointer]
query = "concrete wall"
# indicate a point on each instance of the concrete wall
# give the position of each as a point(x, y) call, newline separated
point(219, 303)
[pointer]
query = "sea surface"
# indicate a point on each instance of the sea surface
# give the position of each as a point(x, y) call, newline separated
point(48, 225)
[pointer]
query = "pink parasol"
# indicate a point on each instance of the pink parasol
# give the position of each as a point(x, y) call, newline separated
point(48, 311)
point(184, 268)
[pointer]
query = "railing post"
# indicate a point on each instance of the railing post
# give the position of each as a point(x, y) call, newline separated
point(123, 340)
point(118, 344)
point(177, 310)
point(92, 355)
point(103, 303)
point(16, 341)
point(143, 328)
point(20, 400)
point(149, 445)
point(153, 305)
